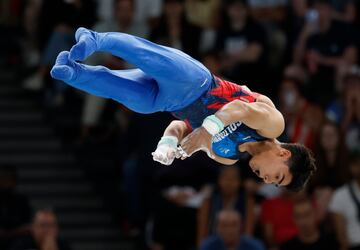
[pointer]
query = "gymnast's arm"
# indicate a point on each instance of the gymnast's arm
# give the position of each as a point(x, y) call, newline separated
point(166, 150)
point(260, 115)
point(180, 130)
point(224, 161)
point(177, 128)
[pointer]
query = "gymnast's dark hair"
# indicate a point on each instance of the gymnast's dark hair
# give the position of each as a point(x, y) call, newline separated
point(301, 165)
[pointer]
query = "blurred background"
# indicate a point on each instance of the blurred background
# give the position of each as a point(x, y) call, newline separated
point(76, 170)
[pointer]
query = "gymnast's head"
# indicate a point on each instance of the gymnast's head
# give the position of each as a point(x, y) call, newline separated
point(287, 164)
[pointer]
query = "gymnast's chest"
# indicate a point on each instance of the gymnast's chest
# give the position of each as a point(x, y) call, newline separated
point(225, 144)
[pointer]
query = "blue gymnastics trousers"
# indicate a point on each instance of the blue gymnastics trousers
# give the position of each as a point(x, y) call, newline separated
point(165, 79)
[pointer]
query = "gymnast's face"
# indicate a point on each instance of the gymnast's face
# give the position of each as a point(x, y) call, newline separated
point(271, 166)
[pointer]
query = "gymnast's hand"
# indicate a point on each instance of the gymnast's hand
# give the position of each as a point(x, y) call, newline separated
point(166, 150)
point(197, 140)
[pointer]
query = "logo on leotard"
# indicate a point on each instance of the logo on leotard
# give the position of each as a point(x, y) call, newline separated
point(227, 131)
point(204, 83)
point(226, 150)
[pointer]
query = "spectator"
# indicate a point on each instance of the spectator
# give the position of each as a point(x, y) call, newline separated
point(229, 236)
point(15, 210)
point(309, 237)
point(211, 60)
point(226, 196)
point(45, 234)
point(331, 158)
point(182, 190)
point(270, 11)
point(344, 10)
point(78, 13)
point(347, 87)
point(261, 190)
point(351, 118)
point(295, 20)
point(204, 14)
point(271, 14)
point(148, 13)
point(52, 17)
point(31, 15)
point(124, 21)
point(174, 29)
point(276, 218)
point(300, 14)
point(105, 10)
point(345, 206)
point(302, 118)
point(242, 42)
point(326, 45)
point(10, 13)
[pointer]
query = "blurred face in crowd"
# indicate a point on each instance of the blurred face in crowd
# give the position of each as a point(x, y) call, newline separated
point(45, 225)
point(329, 137)
point(353, 82)
point(271, 166)
point(229, 227)
point(305, 218)
point(174, 8)
point(124, 11)
point(289, 95)
point(299, 7)
point(237, 12)
point(229, 181)
point(352, 92)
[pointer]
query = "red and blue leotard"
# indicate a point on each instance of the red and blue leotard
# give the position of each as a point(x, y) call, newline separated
point(225, 144)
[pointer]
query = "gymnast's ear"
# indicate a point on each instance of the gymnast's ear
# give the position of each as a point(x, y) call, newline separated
point(285, 153)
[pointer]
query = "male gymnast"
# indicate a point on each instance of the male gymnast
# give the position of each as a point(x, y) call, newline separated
point(216, 116)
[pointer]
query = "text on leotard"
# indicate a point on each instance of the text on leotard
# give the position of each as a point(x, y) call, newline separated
point(226, 131)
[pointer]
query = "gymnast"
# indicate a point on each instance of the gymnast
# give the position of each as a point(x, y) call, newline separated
point(221, 118)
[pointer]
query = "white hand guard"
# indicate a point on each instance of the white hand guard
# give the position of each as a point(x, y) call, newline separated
point(213, 125)
point(165, 152)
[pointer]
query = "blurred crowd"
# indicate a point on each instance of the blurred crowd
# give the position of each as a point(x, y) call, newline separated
point(303, 54)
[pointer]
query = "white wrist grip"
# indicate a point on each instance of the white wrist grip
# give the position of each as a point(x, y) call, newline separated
point(169, 140)
point(213, 125)
point(165, 152)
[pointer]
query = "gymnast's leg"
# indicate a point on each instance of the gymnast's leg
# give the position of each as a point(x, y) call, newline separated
point(132, 88)
point(180, 78)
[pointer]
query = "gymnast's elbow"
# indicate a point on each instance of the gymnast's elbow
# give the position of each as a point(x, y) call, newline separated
point(234, 111)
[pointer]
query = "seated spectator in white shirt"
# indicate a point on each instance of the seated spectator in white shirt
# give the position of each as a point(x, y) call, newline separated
point(345, 206)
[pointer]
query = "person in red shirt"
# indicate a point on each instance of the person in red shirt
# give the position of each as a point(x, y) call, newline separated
point(276, 218)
